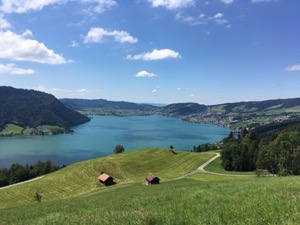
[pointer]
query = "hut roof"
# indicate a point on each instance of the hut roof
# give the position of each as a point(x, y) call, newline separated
point(103, 177)
point(150, 177)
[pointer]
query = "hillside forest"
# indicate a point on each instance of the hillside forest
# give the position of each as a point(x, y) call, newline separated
point(278, 153)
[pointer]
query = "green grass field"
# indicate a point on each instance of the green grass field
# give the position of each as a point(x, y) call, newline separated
point(11, 129)
point(199, 199)
point(81, 178)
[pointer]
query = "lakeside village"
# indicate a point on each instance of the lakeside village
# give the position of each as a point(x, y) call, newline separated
point(233, 120)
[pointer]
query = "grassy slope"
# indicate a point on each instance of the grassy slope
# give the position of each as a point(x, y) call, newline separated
point(81, 178)
point(11, 129)
point(201, 199)
point(216, 167)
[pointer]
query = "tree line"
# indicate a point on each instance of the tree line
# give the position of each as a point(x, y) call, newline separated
point(278, 153)
point(18, 173)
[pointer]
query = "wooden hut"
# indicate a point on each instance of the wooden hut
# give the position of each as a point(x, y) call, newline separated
point(105, 179)
point(152, 179)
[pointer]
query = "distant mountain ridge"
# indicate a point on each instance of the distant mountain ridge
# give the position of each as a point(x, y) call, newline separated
point(78, 104)
point(239, 114)
point(30, 108)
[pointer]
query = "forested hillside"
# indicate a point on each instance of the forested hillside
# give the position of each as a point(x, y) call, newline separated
point(277, 152)
point(29, 108)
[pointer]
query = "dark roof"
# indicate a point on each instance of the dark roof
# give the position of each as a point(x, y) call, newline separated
point(150, 177)
point(103, 177)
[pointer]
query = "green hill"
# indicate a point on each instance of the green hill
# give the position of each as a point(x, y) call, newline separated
point(199, 199)
point(29, 108)
point(81, 178)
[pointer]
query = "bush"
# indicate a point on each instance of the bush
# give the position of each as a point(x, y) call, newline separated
point(119, 149)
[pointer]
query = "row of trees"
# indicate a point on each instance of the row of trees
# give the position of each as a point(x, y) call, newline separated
point(18, 173)
point(205, 147)
point(279, 154)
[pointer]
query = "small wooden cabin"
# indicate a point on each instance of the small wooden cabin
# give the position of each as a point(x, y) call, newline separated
point(152, 179)
point(105, 179)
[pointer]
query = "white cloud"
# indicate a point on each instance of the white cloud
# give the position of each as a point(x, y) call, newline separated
point(199, 20)
point(74, 44)
point(154, 90)
point(22, 6)
point(227, 1)
point(172, 4)
point(293, 68)
point(96, 35)
point(12, 69)
point(218, 16)
point(27, 33)
point(4, 24)
point(155, 55)
point(145, 73)
point(101, 5)
point(202, 19)
point(18, 48)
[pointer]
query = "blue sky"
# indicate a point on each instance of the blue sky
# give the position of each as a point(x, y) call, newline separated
point(152, 51)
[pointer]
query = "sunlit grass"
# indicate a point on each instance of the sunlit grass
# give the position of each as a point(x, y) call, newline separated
point(81, 178)
point(216, 167)
point(11, 129)
point(201, 199)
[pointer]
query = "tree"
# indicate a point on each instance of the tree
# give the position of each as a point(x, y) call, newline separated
point(119, 149)
point(240, 154)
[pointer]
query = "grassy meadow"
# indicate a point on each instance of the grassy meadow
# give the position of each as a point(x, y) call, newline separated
point(198, 199)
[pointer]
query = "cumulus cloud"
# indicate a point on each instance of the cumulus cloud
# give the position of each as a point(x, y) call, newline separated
point(97, 34)
point(12, 69)
point(145, 73)
point(293, 68)
point(227, 1)
point(19, 48)
point(155, 55)
point(172, 4)
point(23, 6)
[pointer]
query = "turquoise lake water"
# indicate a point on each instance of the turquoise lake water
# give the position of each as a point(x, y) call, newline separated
point(98, 138)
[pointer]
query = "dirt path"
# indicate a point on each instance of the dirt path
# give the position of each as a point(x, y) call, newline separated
point(201, 169)
point(27, 181)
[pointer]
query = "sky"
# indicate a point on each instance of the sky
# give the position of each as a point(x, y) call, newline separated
point(152, 51)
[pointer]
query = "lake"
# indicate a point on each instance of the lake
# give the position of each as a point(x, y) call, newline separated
point(98, 138)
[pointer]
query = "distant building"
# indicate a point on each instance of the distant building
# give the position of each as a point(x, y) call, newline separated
point(151, 179)
point(105, 179)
